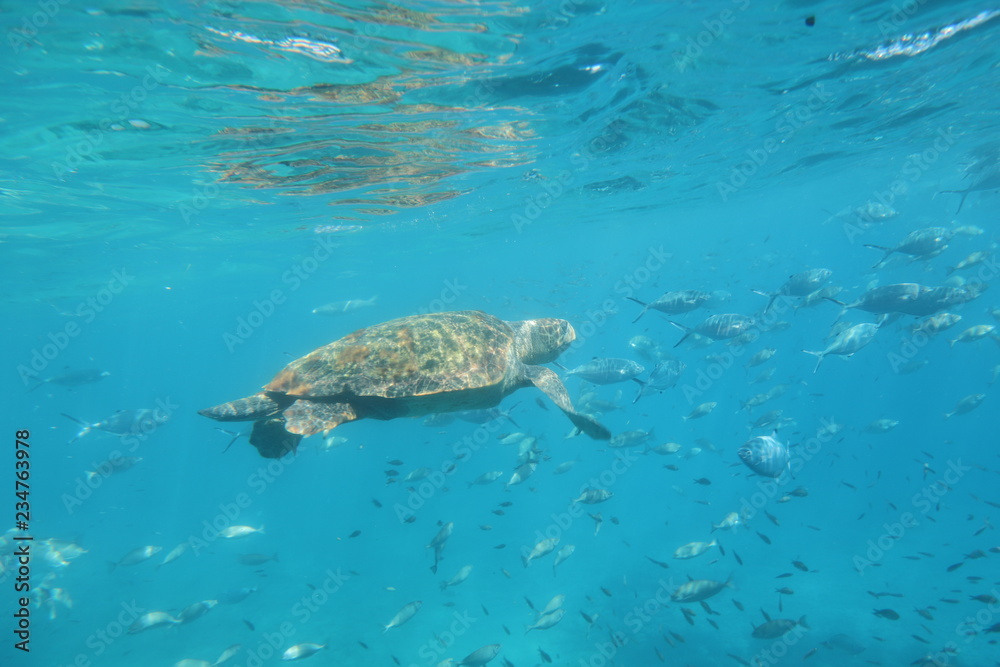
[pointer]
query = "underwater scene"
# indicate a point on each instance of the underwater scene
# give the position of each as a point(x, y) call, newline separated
point(435, 333)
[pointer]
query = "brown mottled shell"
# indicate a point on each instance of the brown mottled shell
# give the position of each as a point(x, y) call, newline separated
point(410, 356)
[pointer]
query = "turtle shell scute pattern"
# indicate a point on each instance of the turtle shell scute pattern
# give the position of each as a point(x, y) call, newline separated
point(418, 355)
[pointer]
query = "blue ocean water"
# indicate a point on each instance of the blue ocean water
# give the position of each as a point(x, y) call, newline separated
point(184, 183)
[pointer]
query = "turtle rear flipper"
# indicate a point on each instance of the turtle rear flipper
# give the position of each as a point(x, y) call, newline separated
point(272, 440)
point(309, 417)
point(553, 387)
point(253, 408)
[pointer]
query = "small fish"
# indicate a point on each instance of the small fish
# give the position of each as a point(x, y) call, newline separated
point(249, 625)
point(71, 378)
point(403, 615)
point(765, 538)
point(886, 613)
point(233, 532)
point(342, 307)
point(136, 556)
point(700, 410)
point(300, 651)
point(253, 560)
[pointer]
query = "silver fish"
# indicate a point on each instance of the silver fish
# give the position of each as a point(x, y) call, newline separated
point(196, 610)
point(480, 656)
point(562, 555)
point(674, 303)
point(607, 370)
point(137, 555)
point(72, 378)
point(799, 284)
point(921, 243)
point(717, 327)
point(124, 422)
point(300, 651)
point(341, 307)
point(546, 621)
point(404, 615)
point(765, 455)
point(697, 590)
point(967, 404)
point(847, 342)
point(663, 376)
point(154, 619)
point(773, 629)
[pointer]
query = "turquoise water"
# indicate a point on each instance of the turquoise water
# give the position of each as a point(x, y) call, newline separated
point(184, 183)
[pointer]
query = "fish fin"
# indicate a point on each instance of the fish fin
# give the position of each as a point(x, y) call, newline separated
point(819, 360)
point(686, 330)
point(804, 624)
point(961, 203)
point(236, 436)
point(644, 305)
point(887, 251)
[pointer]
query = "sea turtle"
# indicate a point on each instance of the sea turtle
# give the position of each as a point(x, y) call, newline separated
point(407, 367)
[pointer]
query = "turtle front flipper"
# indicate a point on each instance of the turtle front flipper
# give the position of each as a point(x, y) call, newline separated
point(253, 408)
point(308, 417)
point(553, 387)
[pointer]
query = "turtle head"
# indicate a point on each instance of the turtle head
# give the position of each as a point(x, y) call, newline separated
point(543, 340)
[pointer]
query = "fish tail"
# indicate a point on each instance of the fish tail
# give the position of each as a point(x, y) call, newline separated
point(961, 202)
point(819, 360)
point(686, 330)
point(804, 624)
point(887, 251)
point(84, 431)
point(840, 303)
point(644, 305)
